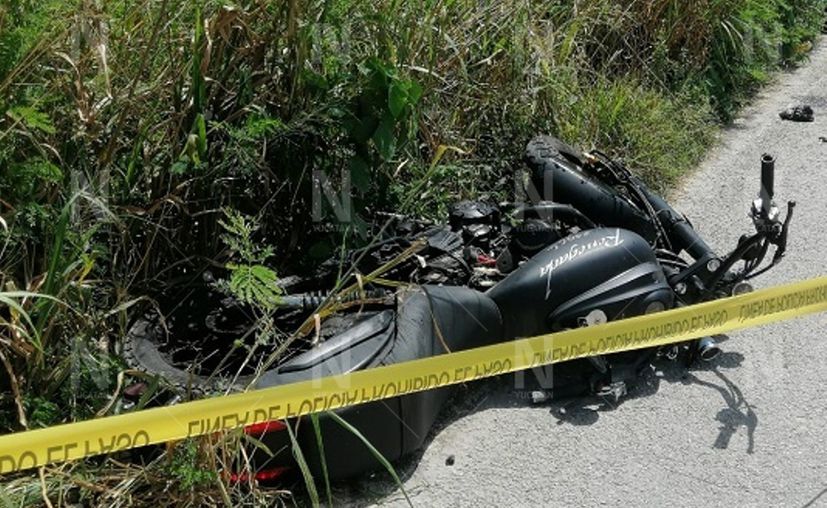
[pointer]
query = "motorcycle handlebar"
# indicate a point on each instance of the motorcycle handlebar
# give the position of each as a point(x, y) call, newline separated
point(768, 174)
point(767, 182)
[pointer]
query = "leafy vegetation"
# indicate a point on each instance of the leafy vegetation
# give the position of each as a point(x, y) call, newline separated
point(142, 142)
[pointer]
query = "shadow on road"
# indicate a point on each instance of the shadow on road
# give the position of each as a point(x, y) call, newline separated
point(736, 413)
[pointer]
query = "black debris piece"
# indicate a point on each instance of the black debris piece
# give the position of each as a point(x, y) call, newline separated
point(802, 113)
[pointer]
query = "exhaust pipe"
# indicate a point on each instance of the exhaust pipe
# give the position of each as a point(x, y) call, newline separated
point(708, 349)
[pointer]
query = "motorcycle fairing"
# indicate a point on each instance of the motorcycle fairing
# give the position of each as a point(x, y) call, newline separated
point(428, 319)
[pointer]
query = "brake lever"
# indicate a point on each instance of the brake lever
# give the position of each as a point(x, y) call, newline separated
point(781, 241)
point(769, 229)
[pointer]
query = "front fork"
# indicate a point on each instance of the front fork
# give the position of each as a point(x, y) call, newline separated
point(707, 278)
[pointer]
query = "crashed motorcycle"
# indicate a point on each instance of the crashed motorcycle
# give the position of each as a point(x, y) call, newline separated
point(592, 245)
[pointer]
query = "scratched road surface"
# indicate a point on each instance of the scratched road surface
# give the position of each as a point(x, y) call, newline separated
point(751, 430)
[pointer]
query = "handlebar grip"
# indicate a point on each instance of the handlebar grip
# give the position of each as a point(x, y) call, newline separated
point(767, 179)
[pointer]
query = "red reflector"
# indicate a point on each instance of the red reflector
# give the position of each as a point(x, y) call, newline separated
point(262, 476)
point(486, 260)
point(258, 429)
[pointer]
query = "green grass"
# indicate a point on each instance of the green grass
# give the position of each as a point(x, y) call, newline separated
point(128, 128)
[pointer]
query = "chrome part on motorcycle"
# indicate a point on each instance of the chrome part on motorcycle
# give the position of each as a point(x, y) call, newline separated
point(708, 349)
point(597, 317)
point(742, 288)
point(616, 390)
point(670, 352)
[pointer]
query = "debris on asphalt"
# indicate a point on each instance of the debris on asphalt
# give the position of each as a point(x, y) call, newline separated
point(801, 113)
point(823, 139)
point(449, 461)
point(538, 396)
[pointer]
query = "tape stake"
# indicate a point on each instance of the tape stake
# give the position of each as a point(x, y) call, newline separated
point(61, 443)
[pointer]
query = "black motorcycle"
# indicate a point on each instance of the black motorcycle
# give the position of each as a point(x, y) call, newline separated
point(601, 247)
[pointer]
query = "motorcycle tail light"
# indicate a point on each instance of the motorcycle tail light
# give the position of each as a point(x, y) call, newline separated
point(259, 429)
point(262, 476)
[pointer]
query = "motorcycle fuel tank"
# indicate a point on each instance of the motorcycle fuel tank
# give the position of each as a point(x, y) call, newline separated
point(586, 278)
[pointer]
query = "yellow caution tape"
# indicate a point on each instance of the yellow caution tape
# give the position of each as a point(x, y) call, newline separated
point(115, 433)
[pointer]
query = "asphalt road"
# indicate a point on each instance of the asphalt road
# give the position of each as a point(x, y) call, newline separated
point(748, 430)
